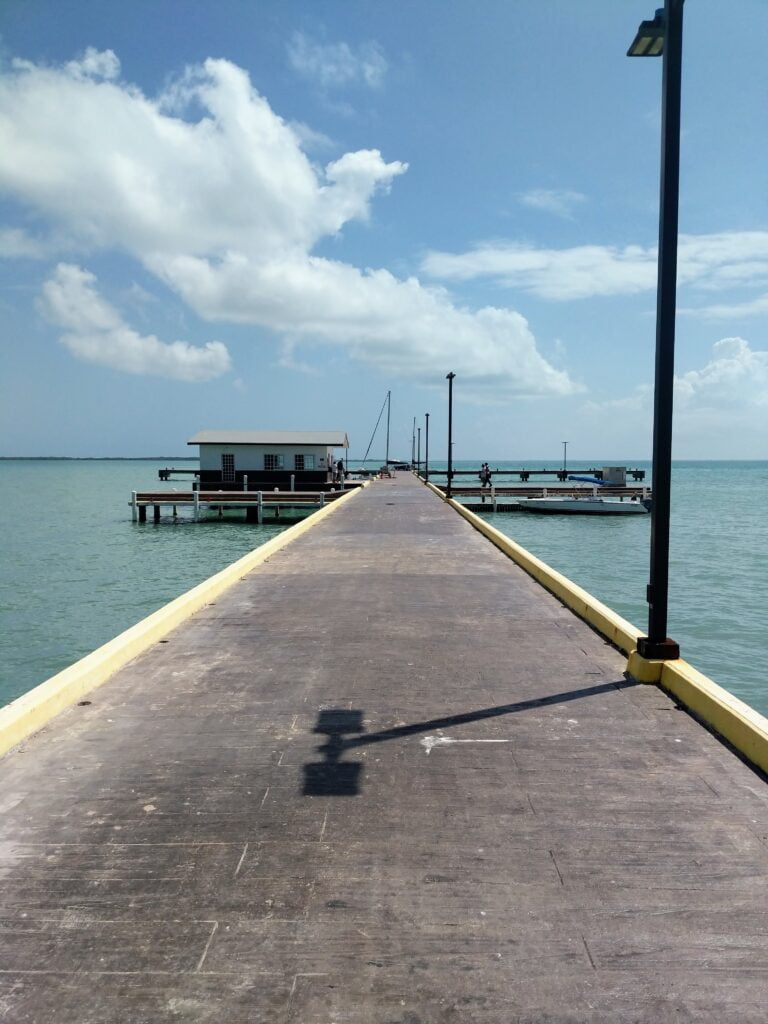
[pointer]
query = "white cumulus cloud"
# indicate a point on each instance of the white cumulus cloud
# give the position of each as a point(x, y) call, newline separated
point(212, 192)
point(737, 375)
point(561, 202)
point(337, 64)
point(732, 387)
point(709, 262)
point(16, 244)
point(96, 333)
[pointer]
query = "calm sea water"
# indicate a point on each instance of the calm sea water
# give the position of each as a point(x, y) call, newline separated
point(75, 570)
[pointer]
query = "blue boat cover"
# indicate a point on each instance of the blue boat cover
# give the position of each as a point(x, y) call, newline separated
point(588, 479)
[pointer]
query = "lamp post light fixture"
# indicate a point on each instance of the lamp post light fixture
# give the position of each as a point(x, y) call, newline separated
point(663, 37)
point(449, 377)
point(649, 41)
point(426, 447)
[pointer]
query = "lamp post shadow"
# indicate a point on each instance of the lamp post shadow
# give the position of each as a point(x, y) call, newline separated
point(334, 777)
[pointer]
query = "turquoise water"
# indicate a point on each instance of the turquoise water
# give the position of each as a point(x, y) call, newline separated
point(718, 596)
point(75, 570)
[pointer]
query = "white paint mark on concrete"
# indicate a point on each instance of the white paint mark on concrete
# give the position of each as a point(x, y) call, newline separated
point(148, 808)
point(207, 946)
point(428, 742)
point(242, 858)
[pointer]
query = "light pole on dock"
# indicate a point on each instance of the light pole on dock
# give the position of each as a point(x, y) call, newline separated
point(386, 456)
point(663, 37)
point(449, 377)
point(565, 452)
point(426, 447)
point(418, 449)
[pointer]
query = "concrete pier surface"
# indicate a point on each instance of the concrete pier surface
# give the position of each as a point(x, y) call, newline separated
point(384, 779)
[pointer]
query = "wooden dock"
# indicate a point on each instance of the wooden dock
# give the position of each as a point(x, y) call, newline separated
point(385, 778)
point(255, 503)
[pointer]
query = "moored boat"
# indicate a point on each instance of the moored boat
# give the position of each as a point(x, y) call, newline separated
point(589, 505)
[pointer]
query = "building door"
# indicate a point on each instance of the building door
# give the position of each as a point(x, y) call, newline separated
point(228, 469)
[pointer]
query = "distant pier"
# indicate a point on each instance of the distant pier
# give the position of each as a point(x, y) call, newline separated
point(381, 775)
point(526, 474)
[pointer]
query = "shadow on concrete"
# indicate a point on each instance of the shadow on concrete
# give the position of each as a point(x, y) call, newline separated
point(334, 777)
point(483, 713)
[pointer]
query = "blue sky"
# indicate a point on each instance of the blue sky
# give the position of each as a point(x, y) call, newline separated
point(268, 214)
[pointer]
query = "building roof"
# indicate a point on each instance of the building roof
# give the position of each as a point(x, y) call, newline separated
point(326, 438)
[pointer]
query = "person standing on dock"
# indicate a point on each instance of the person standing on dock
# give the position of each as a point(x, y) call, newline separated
point(340, 474)
point(485, 478)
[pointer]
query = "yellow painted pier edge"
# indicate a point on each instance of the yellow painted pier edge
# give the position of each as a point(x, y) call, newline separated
point(33, 710)
point(744, 728)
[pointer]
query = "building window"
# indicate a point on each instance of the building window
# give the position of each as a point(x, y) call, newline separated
point(273, 461)
point(228, 469)
point(301, 462)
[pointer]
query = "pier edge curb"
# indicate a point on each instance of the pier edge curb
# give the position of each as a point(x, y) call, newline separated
point(33, 710)
point(744, 728)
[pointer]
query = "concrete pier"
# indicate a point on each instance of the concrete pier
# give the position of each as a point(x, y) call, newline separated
point(383, 779)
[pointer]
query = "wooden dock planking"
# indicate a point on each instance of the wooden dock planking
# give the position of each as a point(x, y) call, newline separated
point(220, 500)
point(384, 778)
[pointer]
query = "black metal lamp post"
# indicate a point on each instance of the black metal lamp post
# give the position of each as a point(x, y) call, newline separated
point(663, 36)
point(449, 377)
point(426, 447)
point(565, 454)
point(418, 451)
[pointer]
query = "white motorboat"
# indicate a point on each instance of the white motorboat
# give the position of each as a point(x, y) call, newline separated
point(589, 505)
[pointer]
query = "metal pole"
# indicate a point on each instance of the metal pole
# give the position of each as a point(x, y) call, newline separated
point(657, 644)
point(565, 452)
point(426, 448)
point(449, 377)
point(418, 450)
point(389, 402)
point(413, 444)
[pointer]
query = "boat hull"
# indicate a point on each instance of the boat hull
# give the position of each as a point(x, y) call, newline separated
point(583, 506)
